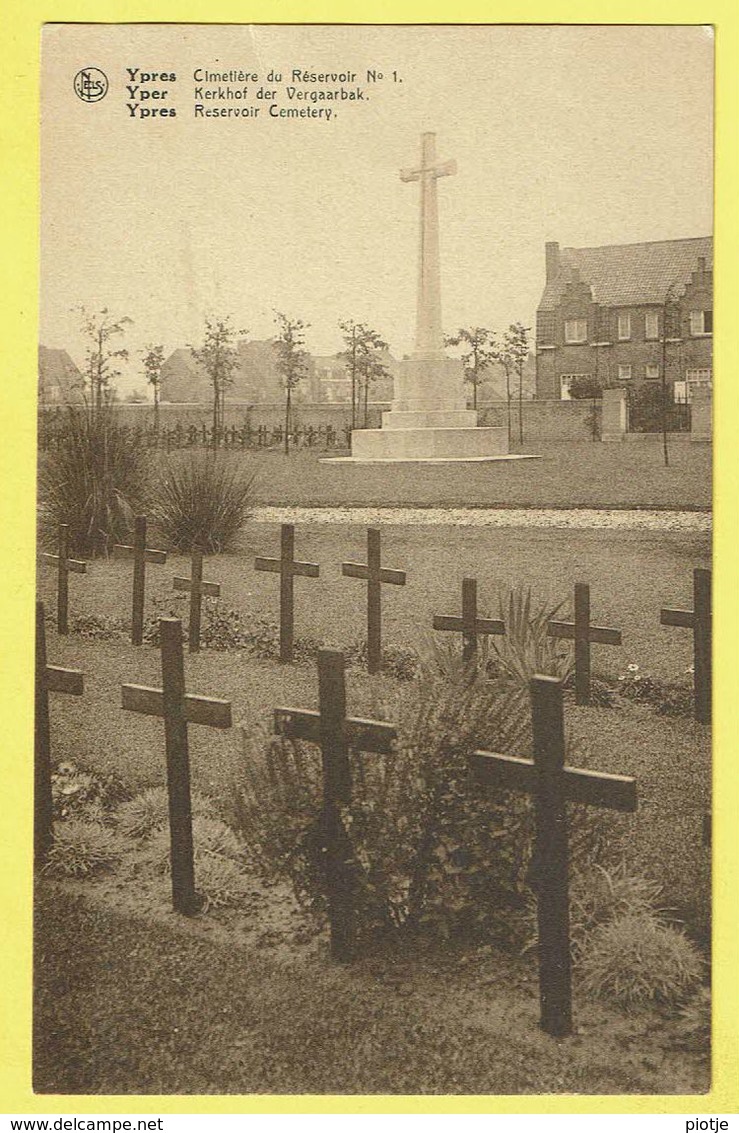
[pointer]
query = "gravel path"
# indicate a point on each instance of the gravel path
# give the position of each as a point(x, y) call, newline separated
point(580, 518)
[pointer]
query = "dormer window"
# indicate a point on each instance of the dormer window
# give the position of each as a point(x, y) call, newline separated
point(576, 330)
point(624, 327)
point(701, 322)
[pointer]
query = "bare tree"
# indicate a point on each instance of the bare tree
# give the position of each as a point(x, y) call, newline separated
point(102, 329)
point(292, 361)
point(478, 353)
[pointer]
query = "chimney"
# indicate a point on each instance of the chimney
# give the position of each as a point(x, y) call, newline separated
point(552, 259)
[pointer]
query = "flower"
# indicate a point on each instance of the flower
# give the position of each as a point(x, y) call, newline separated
point(690, 669)
point(633, 668)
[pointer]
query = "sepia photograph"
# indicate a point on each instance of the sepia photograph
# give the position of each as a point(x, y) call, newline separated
point(373, 679)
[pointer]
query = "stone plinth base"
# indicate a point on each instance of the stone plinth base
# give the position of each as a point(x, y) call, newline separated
point(430, 419)
point(429, 444)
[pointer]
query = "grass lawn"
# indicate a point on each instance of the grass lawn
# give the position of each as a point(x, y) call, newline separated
point(631, 574)
point(131, 1005)
point(132, 999)
point(569, 474)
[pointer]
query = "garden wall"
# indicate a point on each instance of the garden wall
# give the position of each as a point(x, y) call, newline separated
point(543, 420)
point(546, 420)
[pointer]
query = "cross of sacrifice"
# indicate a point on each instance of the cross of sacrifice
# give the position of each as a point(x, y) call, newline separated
point(375, 574)
point(336, 734)
point(141, 555)
point(699, 619)
point(429, 335)
point(65, 566)
point(287, 568)
point(469, 625)
point(552, 784)
point(198, 588)
point(582, 633)
point(49, 678)
point(179, 708)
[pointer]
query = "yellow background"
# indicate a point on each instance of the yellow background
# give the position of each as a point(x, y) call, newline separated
point(19, 90)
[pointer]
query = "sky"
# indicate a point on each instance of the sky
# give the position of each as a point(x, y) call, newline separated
point(585, 135)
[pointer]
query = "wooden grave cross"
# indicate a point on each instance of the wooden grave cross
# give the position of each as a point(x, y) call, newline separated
point(65, 565)
point(141, 555)
point(699, 619)
point(49, 678)
point(469, 625)
point(583, 633)
point(198, 588)
point(287, 568)
point(553, 785)
point(336, 734)
point(179, 708)
point(375, 574)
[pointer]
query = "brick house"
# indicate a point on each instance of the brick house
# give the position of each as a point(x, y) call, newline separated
point(604, 310)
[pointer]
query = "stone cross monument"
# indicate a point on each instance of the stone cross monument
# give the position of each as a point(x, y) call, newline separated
point(429, 419)
point(429, 338)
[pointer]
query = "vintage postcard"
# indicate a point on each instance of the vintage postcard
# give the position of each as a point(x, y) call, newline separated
point(374, 671)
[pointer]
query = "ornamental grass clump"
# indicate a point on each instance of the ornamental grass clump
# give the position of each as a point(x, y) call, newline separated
point(203, 499)
point(638, 959)
point(526, 649)
point(148, 812)
point(94, 480)
point(83, 849)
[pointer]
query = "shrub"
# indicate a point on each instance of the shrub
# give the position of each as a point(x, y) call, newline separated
point(75, 791)
point(99, 627)
point(637, 959)
point(223, 627)
point(667, 697)
point(94, 480)
point(141, 816)
point(397, 660)
point(429, 848)
point(203, 499)
point(81, 849)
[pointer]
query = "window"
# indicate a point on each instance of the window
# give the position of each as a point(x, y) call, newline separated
point(652, 373)
point(624, 373)
point(651, 325)
point(701, 322)
point(565, 381)
point(624, 327)
point(576, 330)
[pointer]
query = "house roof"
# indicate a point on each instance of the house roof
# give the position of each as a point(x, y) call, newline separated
point(622, 275)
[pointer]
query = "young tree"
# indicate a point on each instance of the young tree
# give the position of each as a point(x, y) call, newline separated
point(517, 339)
point(292, 361)
point(218, 357)
point(153, 361)
point(352, 333)
point(363, 357)
point(478, 352)
point(670, 333)
point(102, 329)
point(370, 366)
point(503, 357)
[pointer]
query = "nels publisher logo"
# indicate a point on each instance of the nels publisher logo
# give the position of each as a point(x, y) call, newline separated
point(91, 84)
